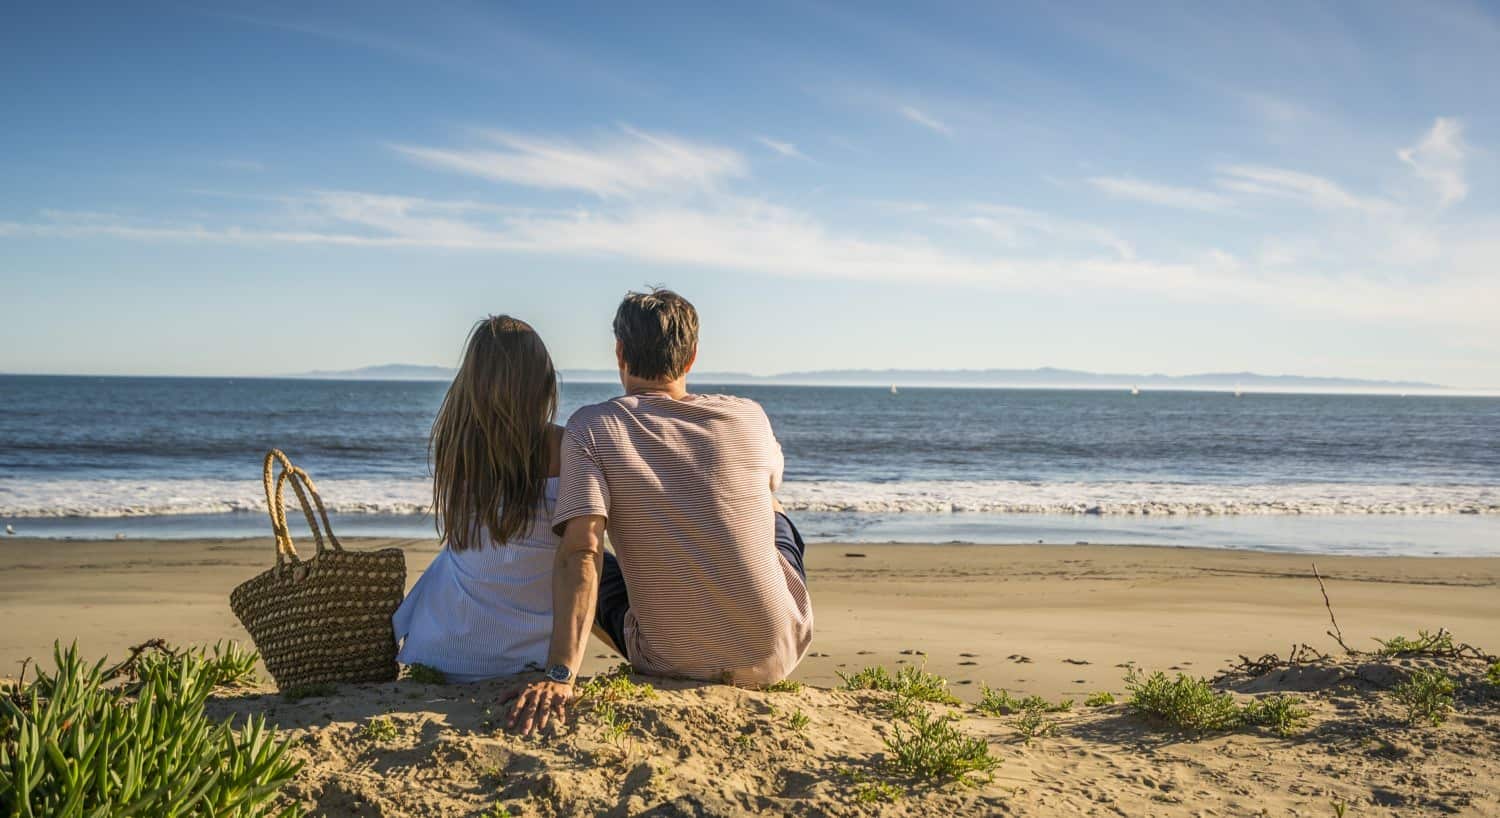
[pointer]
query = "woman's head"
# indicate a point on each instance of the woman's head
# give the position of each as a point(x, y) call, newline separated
point(489, 443)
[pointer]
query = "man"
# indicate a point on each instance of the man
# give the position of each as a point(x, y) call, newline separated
point(706, 580)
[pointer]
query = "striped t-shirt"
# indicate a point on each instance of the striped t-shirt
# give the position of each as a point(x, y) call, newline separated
point(686, 487)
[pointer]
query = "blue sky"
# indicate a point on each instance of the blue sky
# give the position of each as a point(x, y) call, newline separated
point(264, 188)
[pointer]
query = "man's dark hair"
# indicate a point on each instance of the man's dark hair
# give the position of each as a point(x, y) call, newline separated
point(658, 332)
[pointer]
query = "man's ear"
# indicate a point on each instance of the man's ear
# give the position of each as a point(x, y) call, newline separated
point(693, 359)
point(620, 355)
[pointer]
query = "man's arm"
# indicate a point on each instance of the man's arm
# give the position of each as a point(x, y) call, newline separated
point(575, 592)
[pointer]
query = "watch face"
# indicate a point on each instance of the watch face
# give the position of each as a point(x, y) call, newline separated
point(559, 673)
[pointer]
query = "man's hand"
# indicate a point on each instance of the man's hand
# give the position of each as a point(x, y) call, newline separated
point(537, 704)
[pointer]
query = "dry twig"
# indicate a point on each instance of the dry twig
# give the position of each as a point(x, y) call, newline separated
point(1336, 633)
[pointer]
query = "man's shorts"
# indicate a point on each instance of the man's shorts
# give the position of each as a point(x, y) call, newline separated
point(614, 597)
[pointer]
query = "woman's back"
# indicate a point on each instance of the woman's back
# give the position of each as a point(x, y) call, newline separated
point(483, 608)
point(484, 611)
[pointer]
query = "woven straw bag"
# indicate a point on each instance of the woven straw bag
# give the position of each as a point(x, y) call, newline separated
point(325, 619)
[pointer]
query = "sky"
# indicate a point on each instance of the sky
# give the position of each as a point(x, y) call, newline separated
point(267, 188)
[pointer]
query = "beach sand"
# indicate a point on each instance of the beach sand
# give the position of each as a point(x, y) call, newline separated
point(1049, 620)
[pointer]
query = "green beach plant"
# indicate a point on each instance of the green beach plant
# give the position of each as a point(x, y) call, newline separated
point(381, 729)
point(1426, 644)
point(911, 682)
point(876, 792)
point(74, 743)
point(1102, 698)
point(1033, 723)
point(931, 749)
point(297, 694)
point(798, 720)
point(604, 695)
point(1282, 715)
point(615, 685)
point(1001, 703)
point(426, 674)
point(784, 686)
point(1427, 696)
point(1493, 675)
point(1193, 704)
point(1183, 702)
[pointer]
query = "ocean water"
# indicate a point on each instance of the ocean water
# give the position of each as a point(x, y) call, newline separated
point(84, 456)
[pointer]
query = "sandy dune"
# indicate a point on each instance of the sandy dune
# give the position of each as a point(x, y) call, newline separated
point(1049, 620)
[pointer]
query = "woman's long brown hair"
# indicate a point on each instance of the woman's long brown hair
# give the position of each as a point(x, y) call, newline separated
point(489, 443)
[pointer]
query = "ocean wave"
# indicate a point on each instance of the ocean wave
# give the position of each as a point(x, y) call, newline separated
point(154, 498)
point(1137, 498)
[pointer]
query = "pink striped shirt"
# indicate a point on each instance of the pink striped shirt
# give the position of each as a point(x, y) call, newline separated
point(686, 488)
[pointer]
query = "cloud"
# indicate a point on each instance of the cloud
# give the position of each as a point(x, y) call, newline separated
point(1379, 265)
point(1122, 187)
point(629, 163)
point(1303, 187)
point(786, 149)
point(1439, 159)
point(740, 234)
point(924, 120)
point(1019, 227)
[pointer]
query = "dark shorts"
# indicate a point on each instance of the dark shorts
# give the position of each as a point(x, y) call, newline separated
point(614, 597)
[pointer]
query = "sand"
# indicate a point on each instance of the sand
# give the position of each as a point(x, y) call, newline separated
point(1050, 620)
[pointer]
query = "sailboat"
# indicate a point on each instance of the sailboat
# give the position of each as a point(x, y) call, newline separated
point(1135, 390)
point(1237, 391)
point(893, 390)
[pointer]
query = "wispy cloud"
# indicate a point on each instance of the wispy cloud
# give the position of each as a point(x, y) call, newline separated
point(786, 149)
point(1438, 159)
point(1123, 187)
point(749, 235)
point(627, 163)
point(1377, 265)
point(1312, 190)
point(925, 120)
point(1020, 227)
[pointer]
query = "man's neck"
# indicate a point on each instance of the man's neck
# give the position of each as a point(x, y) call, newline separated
point(676, 389)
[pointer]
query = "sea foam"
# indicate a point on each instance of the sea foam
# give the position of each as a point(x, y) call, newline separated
point(145, 498)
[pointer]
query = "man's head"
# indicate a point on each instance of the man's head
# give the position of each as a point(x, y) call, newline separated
point(656, 335)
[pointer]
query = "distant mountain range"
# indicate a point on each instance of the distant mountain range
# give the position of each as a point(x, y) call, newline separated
point(1045, 377)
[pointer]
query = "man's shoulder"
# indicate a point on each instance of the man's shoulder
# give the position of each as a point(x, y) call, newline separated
point(590, 416)
point(731, 403)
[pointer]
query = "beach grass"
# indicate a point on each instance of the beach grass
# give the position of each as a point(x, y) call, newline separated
point(132, 739)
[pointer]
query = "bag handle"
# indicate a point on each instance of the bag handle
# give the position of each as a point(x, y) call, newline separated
point(304, 487)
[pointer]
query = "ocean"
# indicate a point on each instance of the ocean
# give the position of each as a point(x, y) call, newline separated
point(107, 456)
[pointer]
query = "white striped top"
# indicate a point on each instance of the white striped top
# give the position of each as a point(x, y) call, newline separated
point(487, 611)
point(686, 487)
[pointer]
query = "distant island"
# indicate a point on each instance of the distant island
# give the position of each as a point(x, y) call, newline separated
point(1043, 378)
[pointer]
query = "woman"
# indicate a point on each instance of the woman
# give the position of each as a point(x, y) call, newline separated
point(484, 607)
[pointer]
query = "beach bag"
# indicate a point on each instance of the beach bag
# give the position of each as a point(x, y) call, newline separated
point(324, 619)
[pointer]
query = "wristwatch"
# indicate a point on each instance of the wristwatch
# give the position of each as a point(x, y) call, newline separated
point(562, 674)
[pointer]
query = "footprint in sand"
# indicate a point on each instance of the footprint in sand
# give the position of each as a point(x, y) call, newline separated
point(969, 655)
point(1019, 659)
point(1078, 661)
point(965, 664)
point(913, 652)
point(864, 653)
